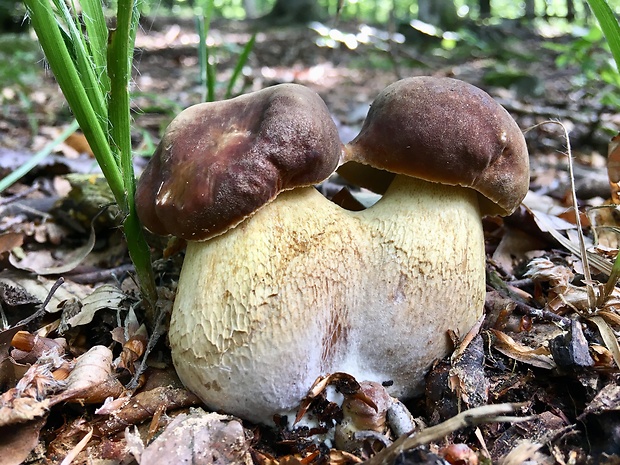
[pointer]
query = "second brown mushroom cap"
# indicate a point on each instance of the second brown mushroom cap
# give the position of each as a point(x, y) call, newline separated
point(290, 286)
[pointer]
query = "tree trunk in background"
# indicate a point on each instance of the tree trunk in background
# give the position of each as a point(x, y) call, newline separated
point(530, 9)
point(291, 12)
point(440, 13)
point(485, 8)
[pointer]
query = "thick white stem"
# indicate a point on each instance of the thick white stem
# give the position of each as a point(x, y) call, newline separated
point(305, 288)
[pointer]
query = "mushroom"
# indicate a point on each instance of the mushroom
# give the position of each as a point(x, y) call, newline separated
point(289, 286)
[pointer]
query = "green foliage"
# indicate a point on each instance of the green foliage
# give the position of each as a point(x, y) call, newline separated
point(611, 30)
point(609, 25)
point(207, 59)
point(590, 51)
point(19, 52)
point(92, 68)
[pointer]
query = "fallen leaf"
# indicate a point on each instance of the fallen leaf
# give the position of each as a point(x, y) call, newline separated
point(44, 262)
point(39, 287)
point(9, 241)
point(606, 400)
point(17, 441)
point(22, 409)
point(92, 380)
point(198, 438)
point(106, 296)
point(538, 357)
point(140, 407)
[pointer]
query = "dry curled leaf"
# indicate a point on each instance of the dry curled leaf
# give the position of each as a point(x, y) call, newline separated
point(608, 336)
point(92, 380)
point(37, 288)
point(106, 296)
point(607, 400)
point(45, 263)
point(21, 409)
point(538, 357)
point(142, 406)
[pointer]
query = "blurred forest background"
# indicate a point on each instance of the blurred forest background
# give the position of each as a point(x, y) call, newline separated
point(552, 51)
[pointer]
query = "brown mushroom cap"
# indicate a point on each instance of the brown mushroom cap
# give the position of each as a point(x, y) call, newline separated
point(447, 131)
point(220, 162)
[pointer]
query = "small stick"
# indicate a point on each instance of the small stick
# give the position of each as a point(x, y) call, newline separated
point(471, 417)
point(41, 311)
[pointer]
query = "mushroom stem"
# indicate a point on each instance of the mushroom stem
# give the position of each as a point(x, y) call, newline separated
point(304, 288)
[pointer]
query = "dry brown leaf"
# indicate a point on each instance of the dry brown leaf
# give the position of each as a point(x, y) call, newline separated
point(602, 356)
point(340, 457)
point(106, 296)
point(22, 409)
point(142, 406)
point(44, 262)
point(39, 288)
point(538, 357)
point(92, 380)
point(201, 439)
point(609, 316)
point(515, 247)
point(29, 399)
point(608, 336)
point(9, 241)
point(17, 441)
point(526, 451)
point(77, 141)
point(606, 400)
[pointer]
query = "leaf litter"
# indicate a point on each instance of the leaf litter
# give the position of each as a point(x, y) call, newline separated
point(83, 380)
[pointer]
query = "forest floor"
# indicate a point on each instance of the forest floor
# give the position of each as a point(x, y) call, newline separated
point(68, 352)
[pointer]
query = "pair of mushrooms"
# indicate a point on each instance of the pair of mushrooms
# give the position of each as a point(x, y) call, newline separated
point(280, 285)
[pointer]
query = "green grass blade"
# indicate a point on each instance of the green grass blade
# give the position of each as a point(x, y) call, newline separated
point(243, 58)
point(37, 158)
point(44, 23)
point(92, 15)
point(119, 69)
point(83, 61)
point(206, 68)
point(211, 78)
point(609, 25)
point(611, 30)
point(202, 55)
point(120, 57)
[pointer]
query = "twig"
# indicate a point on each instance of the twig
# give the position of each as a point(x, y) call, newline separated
point(100, 275)
point(471, 417)
point(156, 334)
point(545, 315)
point(41, 311)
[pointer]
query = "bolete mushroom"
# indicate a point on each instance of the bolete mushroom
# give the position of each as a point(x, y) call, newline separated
point(289, 286)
